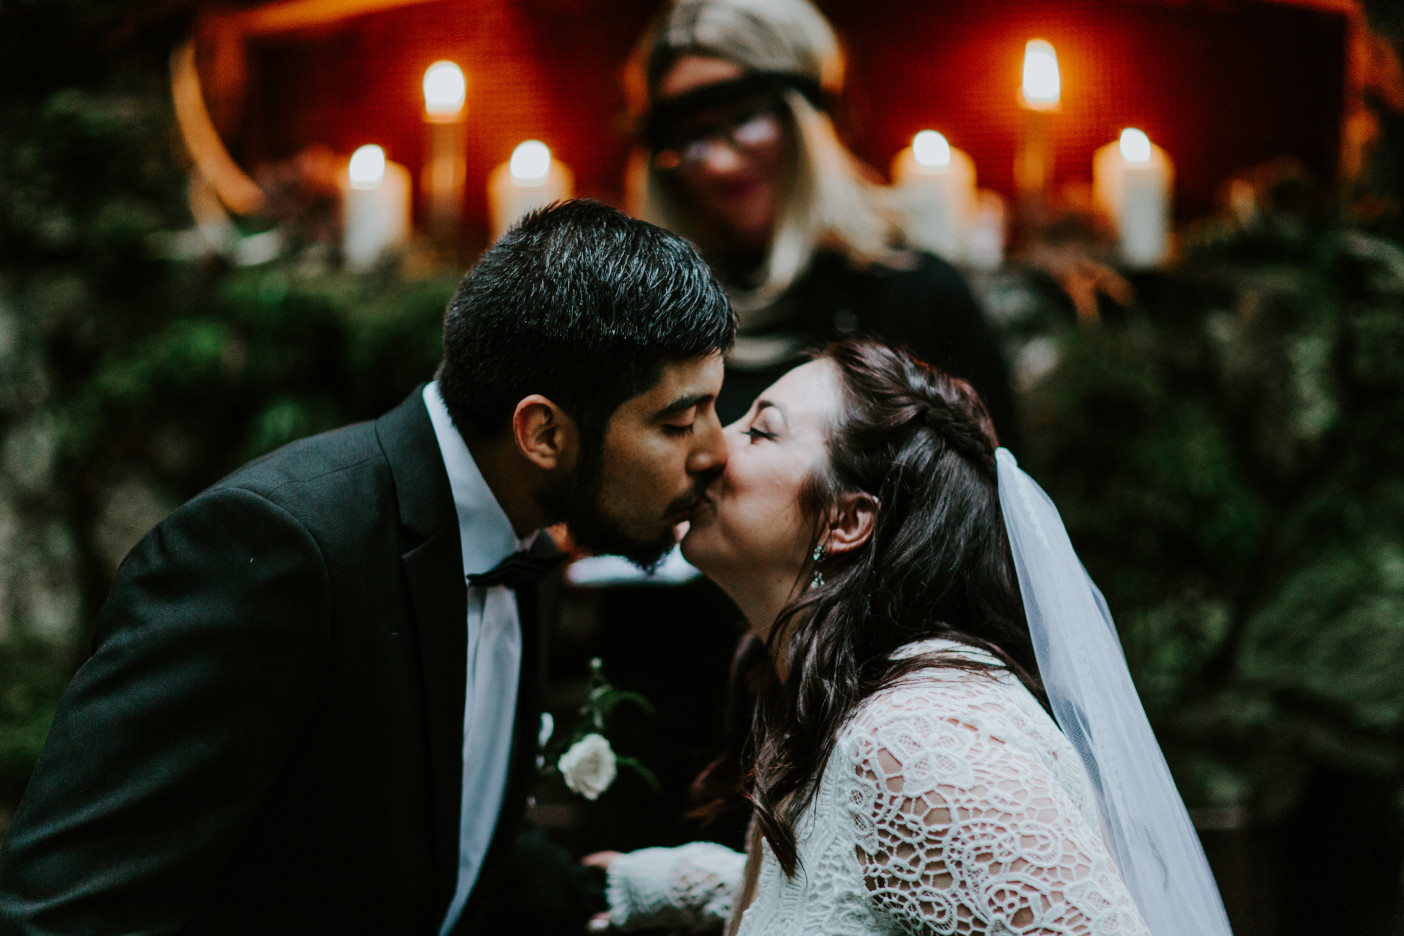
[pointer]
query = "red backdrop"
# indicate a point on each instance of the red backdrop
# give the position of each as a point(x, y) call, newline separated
point(1220, 84)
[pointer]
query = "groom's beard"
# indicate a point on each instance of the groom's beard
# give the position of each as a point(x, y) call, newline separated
point(578, 501)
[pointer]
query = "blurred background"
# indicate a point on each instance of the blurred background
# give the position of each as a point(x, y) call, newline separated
point(1207, 344)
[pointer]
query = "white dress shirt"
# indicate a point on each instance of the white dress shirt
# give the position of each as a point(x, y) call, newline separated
point(494, 654)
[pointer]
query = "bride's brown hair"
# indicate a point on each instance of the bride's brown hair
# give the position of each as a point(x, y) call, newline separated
point(937, 565)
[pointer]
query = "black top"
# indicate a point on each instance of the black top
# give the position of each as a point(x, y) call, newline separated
point(927, 309)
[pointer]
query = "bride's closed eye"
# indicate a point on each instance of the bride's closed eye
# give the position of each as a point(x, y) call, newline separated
point(755, 434)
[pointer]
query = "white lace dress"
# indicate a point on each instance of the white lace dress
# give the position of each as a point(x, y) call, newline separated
point(951, 804)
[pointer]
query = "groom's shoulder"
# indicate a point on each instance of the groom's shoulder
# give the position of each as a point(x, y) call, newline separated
point(321, 482)
point(340, 473)
point(316, 460)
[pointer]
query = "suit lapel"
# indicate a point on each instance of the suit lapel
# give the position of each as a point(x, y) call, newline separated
point(441, 625)
point(433, 564)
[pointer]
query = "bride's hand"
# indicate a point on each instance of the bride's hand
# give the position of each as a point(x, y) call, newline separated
point(600, 923)
point(600, 859)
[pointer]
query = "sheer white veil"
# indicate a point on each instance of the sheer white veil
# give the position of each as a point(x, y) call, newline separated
point(1092, 696)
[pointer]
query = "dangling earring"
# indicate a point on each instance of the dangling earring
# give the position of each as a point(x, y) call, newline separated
point(818, 557)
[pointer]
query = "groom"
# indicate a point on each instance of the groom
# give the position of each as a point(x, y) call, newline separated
point(311, 702)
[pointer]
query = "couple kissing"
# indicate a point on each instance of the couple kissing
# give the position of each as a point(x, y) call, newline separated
point(312, 697)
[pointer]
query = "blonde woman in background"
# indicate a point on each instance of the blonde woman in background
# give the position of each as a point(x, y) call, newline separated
point(738, 153)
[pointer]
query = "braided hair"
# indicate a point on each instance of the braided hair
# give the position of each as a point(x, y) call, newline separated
point(937, 565)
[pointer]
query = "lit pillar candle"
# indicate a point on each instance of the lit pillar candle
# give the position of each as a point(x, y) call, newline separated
point(984, 242)
point(442, 178)
point(937, 184)
point(1040, 97)
point(530, 179)
point(375, 206)
point(1132, 181)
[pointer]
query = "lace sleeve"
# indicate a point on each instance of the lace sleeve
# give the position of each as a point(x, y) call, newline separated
point(960, 832)
point(691, 886)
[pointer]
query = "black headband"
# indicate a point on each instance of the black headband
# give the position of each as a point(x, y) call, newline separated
point(668, 112)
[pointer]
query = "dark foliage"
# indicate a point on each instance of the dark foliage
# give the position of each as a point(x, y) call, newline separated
point(133, 373)
point(1229, 471)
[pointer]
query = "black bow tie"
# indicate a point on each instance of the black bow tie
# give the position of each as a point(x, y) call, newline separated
point(518, 569)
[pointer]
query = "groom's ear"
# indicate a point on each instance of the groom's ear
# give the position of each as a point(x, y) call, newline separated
point(851, 523)
point(545, 434)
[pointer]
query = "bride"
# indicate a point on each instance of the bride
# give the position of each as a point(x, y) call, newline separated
point(921, 612)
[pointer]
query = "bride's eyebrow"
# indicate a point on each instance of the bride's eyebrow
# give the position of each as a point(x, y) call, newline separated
point(763, 405)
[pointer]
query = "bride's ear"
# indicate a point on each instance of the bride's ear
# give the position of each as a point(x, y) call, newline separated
point(851, 522)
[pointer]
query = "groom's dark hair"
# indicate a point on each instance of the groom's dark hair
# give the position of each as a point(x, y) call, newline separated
point(583, 304)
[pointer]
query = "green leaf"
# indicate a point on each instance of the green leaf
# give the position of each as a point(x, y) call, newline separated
point(648, 776)
point(617, 697)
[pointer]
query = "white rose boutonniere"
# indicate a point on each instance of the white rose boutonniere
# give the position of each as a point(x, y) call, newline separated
point(583, 757)
point(589, 767)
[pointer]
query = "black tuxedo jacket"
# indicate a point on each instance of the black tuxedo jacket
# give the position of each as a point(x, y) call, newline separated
point(267, 737)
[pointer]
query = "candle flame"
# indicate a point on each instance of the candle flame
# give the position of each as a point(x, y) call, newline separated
point(1043, 88)
point(1135, 146)
point(367, 168)
point(445, 90)
point(530, 163)
point(931, 150)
